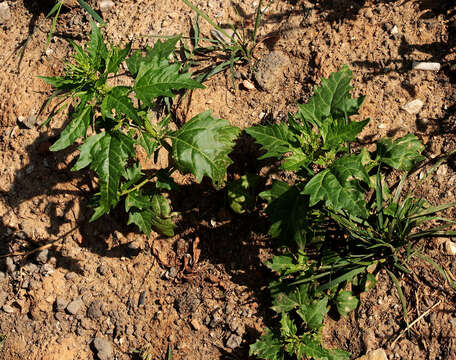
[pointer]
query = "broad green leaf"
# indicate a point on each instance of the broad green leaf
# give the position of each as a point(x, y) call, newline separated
point(107, 154)
point(314, 313)
point(241, 193)
point(297, 298)
point(288, 327)
point(157, 217)
point(296, 160)
point(368, 281)
point(282, 263)
point(401, 154)
point(75, 129)
point(346, 302)
point(312, 349)
point(332, 97)
point(269, 346)
point(96, 48)
point(274, 139)
point(147, 142)
point(288, 213)
point(340, 134)
point(337, 186)
point(115, 58)
point(138, 200)
point(201, 146)
point(163, 81)
point(118, 100)
point(155, 57)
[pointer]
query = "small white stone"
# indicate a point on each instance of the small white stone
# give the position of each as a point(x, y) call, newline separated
point(49, 52)
point(248, 85)
point(261, 115)
point(106, 5)
point(381, 126)
point(413, 107)
point(429, 66)
point(450, 247)
point(5, 13)
point(394, 30)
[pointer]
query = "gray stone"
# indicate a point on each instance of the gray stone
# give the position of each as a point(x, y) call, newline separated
point(103, 269)
point(28, 122)
point(31, 268)
point(60, 304)
point(104, 348)
point(94, 310)
point(74, 306)
point(8, 309)
point(5, 13)
point(10, 267)
point(71, 275)
point(270, 69)
point(234, 341)
point(42, 256)
point(236, 326)
point(47, 269)
point(106, 5)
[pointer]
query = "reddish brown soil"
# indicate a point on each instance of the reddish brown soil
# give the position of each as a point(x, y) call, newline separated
point(134, 290)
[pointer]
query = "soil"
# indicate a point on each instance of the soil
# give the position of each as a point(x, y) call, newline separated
point(105, 280)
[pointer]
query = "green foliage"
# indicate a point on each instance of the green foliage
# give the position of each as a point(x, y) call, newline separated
point(115, 121)
point(339, 220)
point(241, 193)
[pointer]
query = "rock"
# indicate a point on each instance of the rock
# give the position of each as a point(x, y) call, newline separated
point(216, 320)
point(5, 13)
point(60, 304)
point(31, 268)
point(248, 85)
point(218, 35)
point(103, 269)
point(10, 267)
point(429, 66)
point(94, 310)
point(29, 121)
point(71, 275)
point(2, 276)
point(413, 107)
point(195, 324)
point(106, 5)
point(104, 348)
point(3, 297)
point(378, 354)
point(234, 341)
point(47, 269)
point(270, 69)
point(394, 30)
point(450, 247)
point(236, 326)
point(8, 309)
point(134, 248)
point(74, 306)
point(42, 256)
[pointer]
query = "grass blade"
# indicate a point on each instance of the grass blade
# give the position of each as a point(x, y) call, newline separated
point(401, 294)
point(345, 277)
point(438, 268)
point(91, 12)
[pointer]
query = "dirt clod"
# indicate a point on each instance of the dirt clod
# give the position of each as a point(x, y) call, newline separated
point(103, 348)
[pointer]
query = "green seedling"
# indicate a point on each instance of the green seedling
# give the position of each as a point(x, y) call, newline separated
point(114, 121)
point(340, 220)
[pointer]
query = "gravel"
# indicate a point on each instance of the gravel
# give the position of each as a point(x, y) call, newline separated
point(103, 348)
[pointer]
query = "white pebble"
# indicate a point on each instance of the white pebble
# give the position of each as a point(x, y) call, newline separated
point(248, 85)
point(430, 66)
point(381, 126)
point(106, 5)
point(413, 107)
point(450, 247)
point(394, 30)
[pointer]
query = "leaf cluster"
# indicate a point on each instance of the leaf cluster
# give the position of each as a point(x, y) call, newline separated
point(340, 220)
point(114, 122)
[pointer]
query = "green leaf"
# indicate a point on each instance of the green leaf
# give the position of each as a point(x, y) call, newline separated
point(368, 281)
point(157, 216)
point(201, 146)
point(91, 11)
point(138, 200)
point(313, 314)
point(241, 193)
point(274, 139)
point(312, 349)
point(96, 48)
point(344, 133)
point(107, 153)
point(332, 97)
point(75, 129)
point(115, 58)
point(288, 213)
point(269, 346)
point(401, 154)
point(163, 81)
point(118, 100)
point(288, 327)
point(346, 302)
point(338, 186)
point(297, 298)
point(147, 142)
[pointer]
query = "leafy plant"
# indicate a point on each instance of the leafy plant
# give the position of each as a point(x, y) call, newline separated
point(340, 221)
point(227, 47)
point(114, 121)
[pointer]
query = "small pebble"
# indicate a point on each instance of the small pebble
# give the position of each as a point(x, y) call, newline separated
point(413, 107)
point(42, 256)
point(5, 13)
point(8, 309)
point(29, 121)
point(106, 5)
point(394, 30)
point(234, 341)
point(74, 306)
point(248, 85)
point(60, 304)
point(429, 66)
point(104, 348)
point(142, 298)
point(47, 269)
point(195, 324)
point(71, 275)
point(450, 247)
point(10, 267)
